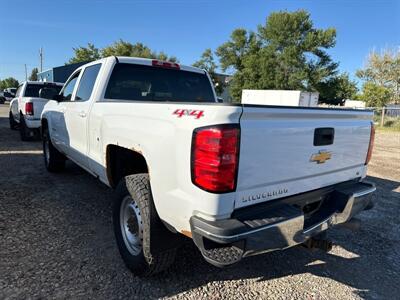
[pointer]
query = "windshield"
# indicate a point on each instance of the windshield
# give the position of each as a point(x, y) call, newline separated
point(147, 83)
point(32, 90)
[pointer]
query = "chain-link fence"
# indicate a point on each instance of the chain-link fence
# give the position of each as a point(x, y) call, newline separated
point(388, 117)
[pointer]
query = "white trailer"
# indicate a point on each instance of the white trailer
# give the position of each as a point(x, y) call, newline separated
point(280, 98)
point(354, 103)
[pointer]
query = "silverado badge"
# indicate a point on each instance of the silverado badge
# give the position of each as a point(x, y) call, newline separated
point(321, 157)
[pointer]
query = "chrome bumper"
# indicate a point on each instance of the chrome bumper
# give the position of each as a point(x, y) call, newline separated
point(227, 241)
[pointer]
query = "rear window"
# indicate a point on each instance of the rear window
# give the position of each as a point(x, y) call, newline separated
point(147, 83)
point(32, 90)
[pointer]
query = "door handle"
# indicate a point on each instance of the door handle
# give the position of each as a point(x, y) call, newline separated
point(82, 114)
point(324, 136)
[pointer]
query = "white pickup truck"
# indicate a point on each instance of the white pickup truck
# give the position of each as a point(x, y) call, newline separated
point(237, 179)
point(26, 108)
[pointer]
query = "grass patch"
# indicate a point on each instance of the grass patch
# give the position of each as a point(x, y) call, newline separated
point(390, 124)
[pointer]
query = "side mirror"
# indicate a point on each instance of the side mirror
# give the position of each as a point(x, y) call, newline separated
point(58, 97)
point(220, 100)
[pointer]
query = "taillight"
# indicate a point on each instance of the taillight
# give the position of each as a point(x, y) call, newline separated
point(371, 144)
point(165, 64)
point(29, 108)
point(215, 152)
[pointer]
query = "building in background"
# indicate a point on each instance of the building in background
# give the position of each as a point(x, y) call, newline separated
point(59, 74)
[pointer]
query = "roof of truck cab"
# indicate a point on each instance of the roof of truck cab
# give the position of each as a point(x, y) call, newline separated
point(149, 62)
point(44, 82)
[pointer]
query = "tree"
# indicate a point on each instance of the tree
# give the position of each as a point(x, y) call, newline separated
point(375, 95)
point(85, 54)
point(336, 89)
point(207, 63)
point(34, 74)
point(123, 48)
point(233, 52)
point(285, 53)
point(119, 48)
point(383, 70)
point(9, 82)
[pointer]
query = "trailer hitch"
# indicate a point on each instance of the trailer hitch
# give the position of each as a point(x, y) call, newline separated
point(317, 243)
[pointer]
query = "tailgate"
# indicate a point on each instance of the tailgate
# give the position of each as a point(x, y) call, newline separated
point(38, 105)
point(278, 157)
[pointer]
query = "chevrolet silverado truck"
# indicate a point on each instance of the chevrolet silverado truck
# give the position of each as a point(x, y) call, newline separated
point(26, 108)
point(238, 180)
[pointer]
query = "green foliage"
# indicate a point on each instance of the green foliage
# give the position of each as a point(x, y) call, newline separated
point(336, 89)
point(119, 48)
point(383, 70)
point(285, 53)
point(375, 95)
point(9, 82)
point(85, 54)
point(207, 63)
point(123, 48)
point(34, 74)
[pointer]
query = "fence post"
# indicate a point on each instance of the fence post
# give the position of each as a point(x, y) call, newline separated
point(383, 117)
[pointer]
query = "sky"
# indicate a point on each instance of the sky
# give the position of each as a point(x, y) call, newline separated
point(183, 28)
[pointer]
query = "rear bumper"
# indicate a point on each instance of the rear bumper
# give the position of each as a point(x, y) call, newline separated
point(279, 224)
point(32, 123)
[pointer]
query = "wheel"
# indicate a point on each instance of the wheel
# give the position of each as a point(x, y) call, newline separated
point(54, 160)
point(13, 124)
point(25, 132)
point(137, 227)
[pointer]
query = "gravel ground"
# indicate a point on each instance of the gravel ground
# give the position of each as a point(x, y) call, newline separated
point(57, 242)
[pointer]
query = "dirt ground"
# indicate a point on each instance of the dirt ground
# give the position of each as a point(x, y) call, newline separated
point(56, 241)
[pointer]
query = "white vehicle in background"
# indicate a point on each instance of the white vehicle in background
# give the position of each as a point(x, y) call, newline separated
point(10, 92)
point(7, 95)
point(280, 98)
point(237, 179)
point(27, 106)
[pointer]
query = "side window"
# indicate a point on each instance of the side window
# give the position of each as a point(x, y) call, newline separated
point(86, 83)
point(69, 87)
point(18, 92)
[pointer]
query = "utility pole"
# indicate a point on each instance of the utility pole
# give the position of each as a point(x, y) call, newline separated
point(41, 58)
point(26, 73)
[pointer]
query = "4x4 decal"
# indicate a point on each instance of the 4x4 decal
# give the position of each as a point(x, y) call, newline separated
point(189, 112)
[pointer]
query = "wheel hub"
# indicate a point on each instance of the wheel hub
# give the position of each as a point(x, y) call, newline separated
point(131, 225)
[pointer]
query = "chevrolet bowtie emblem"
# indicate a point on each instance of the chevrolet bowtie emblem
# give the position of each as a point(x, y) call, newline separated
point(321, 157)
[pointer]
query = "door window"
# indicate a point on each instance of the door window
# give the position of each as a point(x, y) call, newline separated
point(87, 82)
point(69, 87)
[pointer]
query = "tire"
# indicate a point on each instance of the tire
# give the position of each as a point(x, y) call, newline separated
point(54, 160)
point(13, 124)
point(24, 131)
point(137, 227)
